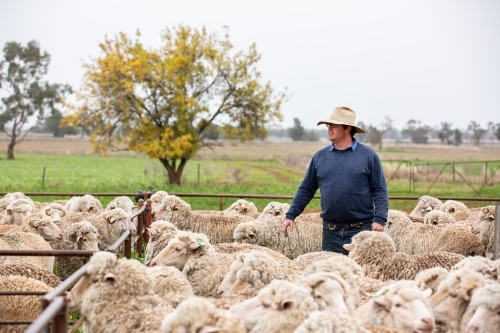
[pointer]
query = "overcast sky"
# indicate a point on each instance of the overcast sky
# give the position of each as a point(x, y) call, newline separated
point(428, 60)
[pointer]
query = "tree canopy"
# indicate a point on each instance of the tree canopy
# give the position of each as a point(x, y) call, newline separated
point(25, 94)
point(164, 102)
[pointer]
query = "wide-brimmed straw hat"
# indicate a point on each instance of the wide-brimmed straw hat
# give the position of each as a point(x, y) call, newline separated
point(343, 116)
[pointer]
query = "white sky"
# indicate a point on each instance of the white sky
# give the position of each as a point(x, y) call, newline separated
point(428, 60)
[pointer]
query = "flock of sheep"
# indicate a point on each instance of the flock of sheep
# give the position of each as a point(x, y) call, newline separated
point(431, 270)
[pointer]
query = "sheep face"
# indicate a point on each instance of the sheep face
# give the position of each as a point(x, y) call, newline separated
point(170, 206)
point(119, 216)
point(17, 210)
point(44, 226)
point(272, 211)
point(487, 214)
point(329, 294)
point(407, 307)
point(230, 278)
point(55, 211)
point(177, 252)
point(457, 209)
point(246, 232)
point(426, 204)
point(453, 295)
point(156, 200)
point(484, 320)
point(88, 241)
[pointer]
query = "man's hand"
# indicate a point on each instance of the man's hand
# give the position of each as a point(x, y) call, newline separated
point(377, 227)
point(286, 224)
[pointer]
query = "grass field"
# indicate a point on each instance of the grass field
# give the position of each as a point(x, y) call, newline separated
point(65, 166)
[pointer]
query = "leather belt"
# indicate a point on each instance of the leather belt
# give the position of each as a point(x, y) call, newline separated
point(334, 227)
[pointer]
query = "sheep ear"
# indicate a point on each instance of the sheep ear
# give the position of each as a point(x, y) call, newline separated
point(9, 211)
point(348, 247)
point(112, 220)
point(195, 245)
point(286, 304)
point(209, 329)
point(427, 293)
point(382, 301)
point(110, 277)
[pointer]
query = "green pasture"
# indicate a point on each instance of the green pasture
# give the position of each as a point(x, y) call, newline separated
point(92, 174)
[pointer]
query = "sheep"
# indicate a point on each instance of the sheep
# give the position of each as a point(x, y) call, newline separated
point(218, 228)
point(457, 209)
point(110, 224)
point(27, 241)
point(198, 314)
point(477, 263)
point(55, 210)
point(417, 238)
point(436, 217)
point(9, 197)
point(242, 207)
point(37, 223)
point(77, 236)
point(86, 203)
point(376, 253)
point(17, 210)
point(430, 278)
point(279, 307)
point(486, 228)
point(425, 204)
point(170, 284)
point(400, 305)
point(160, 233)
point(274, 211)
point(305, 237)
point(193, 254)
point(238, 247)
point(117, 296)
point(27, 270)
point(20, 307)
point(485, 307)
point(123, 202)
point(156, 200)
point(453, 295)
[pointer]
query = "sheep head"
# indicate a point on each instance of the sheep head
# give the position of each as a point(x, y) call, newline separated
point(55, 211)
point(485, 305)
point(272, 211)
point(436, 217)
point(17, 210)
point(246, 232)
point(487, 215)
point(457, 209)
point(179, 249)
point(240, 207)
point(43, 225)
point(425, 204)
point(169, 207)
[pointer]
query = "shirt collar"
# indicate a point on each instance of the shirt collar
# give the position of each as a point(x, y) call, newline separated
point(353, 146)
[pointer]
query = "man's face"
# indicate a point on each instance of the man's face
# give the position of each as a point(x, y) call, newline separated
point(337, 133)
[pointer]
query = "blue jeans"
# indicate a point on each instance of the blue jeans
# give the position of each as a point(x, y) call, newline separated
point(333, 240)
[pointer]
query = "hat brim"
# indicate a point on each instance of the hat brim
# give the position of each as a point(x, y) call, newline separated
point(336, 122)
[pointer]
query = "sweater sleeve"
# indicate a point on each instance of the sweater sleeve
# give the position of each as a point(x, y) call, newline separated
point(380, 194)
point(305, 192)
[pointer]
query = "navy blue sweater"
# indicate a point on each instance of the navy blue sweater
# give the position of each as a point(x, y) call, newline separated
point(352, 186)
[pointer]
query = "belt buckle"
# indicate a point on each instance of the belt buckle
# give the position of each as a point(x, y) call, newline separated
point(331, 227)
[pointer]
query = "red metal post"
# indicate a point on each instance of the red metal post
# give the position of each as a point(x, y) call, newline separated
point(140, 219)
point(147, 219)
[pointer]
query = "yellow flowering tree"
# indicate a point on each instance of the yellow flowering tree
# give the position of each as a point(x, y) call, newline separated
point(163, 102)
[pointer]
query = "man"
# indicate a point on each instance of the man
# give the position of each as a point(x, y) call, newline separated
point(349, 175)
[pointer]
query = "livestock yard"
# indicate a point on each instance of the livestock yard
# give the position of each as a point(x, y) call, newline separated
point(198, 269)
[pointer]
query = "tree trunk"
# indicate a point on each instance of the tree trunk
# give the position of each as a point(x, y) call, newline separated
point(10, 149)
point(174, 174)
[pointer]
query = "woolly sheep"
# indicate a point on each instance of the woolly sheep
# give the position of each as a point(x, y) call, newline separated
point(156, 200)
point(486, 228)
point(242, 207)
point(9, 197)
point(417, 238)
point(117, 296)
point(55, 210)
point(400, 305)
point(198, 314)
point(77, 236)
point(457, 209)
point(37, 223)
point(305, 237)
point(17, 210)
point(217, 227)
point(274, 211)
point(485, 306)
point(453, 295)
point(239, 247)
point(438, 217)
point(279, 307)
point(26, 270)
point(170, 284)
point(425, 204)
point(160, 233)
point(430, 278)
point(86, 204)
point(20, 307)
point(193, 254)
point(476, 263)
point(123, 202)
point(376, 253)
point(27, 241)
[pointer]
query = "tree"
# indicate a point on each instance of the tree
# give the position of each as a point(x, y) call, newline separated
point(53, 125)
point(477, 132)
point(297, 131)
point(497, 131)
point(310, 135)
point(26, 94)
point(457, 137)
point(374, 134)
point(167, 98)
point(417, 131)
point(445, 133)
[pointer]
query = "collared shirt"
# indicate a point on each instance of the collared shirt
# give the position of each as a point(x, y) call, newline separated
point(353, 146)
